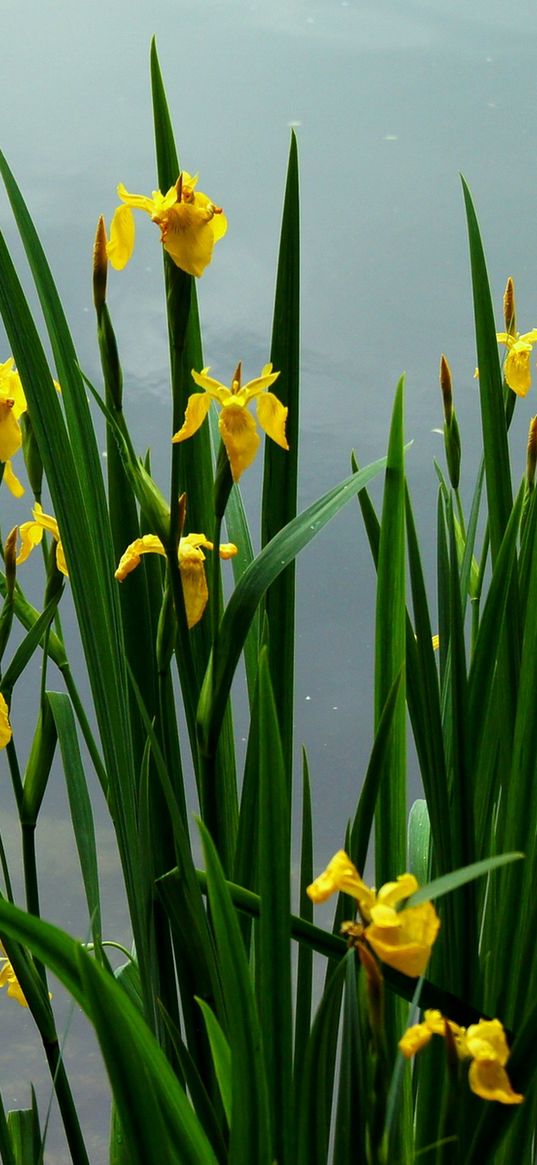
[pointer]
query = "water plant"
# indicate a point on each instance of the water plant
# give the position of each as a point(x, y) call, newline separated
point(220, 1043)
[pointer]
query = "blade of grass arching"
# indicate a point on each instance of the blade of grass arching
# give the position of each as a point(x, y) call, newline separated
point(79, 804)
point(497, 472)
point(281, 466)
point(251, 588)
point(390, 820)
point(250, 1137)
point(273, 948)
point(362, 825)
point(304, 977)
point(146, 1091)
point(350, 1130)
point(315, 1087)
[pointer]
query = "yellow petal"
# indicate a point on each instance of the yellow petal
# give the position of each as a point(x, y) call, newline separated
point(149, 544)
point(272, 416)
point(228, 550)
point(11, 387)
point(407, 944)
point(195, 590)
point(340, 875)
point(218, 391)
point(137, 201)
point(490, 1081)
point(10, 434)
point(60, 559)
point(486, 1040)
point(120, 245)
point(9, 979)
point(13, 484)
point(238, 432)
point(518, 370)
point(5, 727)
point(46, 521)
point(31, 534)
point(393, 892)
point(414, 1039)
point(197, 407)
point(188, 236)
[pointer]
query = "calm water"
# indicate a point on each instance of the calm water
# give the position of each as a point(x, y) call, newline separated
point(390, 102)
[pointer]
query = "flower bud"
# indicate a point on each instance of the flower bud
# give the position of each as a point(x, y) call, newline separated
point(32, 456)
point(445, 385)
point(100, 266)
point(509, 309)
point(531, 457)
point(452, 437)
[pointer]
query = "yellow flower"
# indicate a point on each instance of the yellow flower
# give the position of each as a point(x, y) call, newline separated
point(12, 405)
point(9, 979)
point(236, 424)
point(191, 559)
point(31, 534)
point(517, 370)
point(401, 938)
point(5, 727)
point(189, 222)
point(483, 1043)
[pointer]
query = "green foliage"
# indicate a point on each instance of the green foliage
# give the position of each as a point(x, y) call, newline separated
point(215, 1048)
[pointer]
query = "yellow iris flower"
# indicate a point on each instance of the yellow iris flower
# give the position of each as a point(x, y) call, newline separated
point(517, 369)
point(12, 405)
point(191, 559)
point(5, 727)
point(9, 979)
point(31, 534)
point(190, 225)
point(236, 424)
point(483, 1043)
point(401, 938)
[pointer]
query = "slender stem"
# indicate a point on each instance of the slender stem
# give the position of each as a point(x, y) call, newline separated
point(85, 728)
point(66, 1103)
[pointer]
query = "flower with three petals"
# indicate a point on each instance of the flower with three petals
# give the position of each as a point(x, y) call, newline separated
point(483, 1043)
point(517, 368)
point(31, 534)
point(190, 224)
point(192, 570)
point(237, 425)
point(400, 936)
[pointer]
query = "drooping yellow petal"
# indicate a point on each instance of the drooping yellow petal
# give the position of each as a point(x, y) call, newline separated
point(486, 1040)
point(340, 875)
point(10, 434)
point(238, 432)
point(414, 1039)
point(149, 544)
point(5, 727)
point(120, 245)
point(490, 1081)
point(14, 486)
point(517, 369)
point(11, 387)
point(31, 534)
point(197, 407)
point(60, 558)
point(9, 979)
point(188, 236)
point(403, 939)
point(272, 416)
point(194, 582)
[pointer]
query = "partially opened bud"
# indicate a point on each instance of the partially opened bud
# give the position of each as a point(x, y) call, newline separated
point(445, 385)
point(452, 437)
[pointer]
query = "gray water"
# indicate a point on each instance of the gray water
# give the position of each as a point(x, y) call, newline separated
point(390, 102)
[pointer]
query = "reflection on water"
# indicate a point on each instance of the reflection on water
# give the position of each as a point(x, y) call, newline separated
point(390, 101)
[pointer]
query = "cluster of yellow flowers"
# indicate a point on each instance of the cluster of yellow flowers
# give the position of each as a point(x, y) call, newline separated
point(483, 1043)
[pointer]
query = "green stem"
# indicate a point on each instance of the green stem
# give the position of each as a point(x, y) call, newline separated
point(85, 728)
point(66, 1103)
